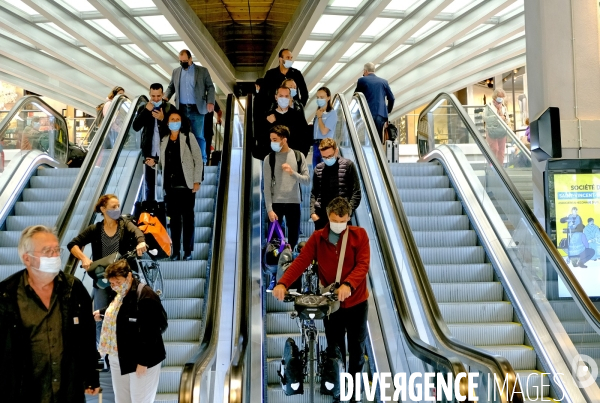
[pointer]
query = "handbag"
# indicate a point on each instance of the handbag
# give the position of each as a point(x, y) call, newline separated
point(274, 247)
point(335, 305)
point(156, 235)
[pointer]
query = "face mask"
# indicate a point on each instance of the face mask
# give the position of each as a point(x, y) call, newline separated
point(184, 65)
point(114, 214)
point(338, 227)
point(157, 104)
point(293, 92)
point(50, 265)
point(329, 161)
point(499, 100)
point(275, 146)
point(283, 102)
point(321, 102)
point(36, 126)
point(174, 126)
point(288, 63)
point(120, 289)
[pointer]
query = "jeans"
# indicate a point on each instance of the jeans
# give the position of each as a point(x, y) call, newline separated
point(291, 212)
point(350, 323)
point(150, 182)
point(101, 297)
point(197, 124)
point(180, 209)
point(380, 121)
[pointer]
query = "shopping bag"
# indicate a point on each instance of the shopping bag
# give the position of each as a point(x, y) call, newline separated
point(156, 235)
point(275, 245)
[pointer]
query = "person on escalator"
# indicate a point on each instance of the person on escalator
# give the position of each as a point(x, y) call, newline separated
point(275, 76)
point(113, 234)
point(110, 97)
point(496, 132)
point(376, 90)
point(324, 246)
point(324, 122)
point(183, 170)
point(579, 247)
point(151, 118)
point(335, 176)
point(300, 139)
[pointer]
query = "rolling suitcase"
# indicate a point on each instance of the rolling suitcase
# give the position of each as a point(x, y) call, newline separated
point(391, 150)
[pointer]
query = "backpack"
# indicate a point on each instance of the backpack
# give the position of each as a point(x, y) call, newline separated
point(290, 372)
point(164, 323)
point(298, 155)
point(187, 141)
point(330, 374)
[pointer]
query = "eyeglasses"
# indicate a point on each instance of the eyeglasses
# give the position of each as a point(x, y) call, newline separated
point(51, 252)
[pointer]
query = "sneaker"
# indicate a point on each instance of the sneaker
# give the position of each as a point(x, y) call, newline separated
point(272, 283)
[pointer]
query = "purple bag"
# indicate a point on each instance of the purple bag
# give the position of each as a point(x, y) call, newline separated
point(275, 245)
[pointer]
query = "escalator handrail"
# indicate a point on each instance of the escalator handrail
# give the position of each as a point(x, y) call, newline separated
point(21, 103)
point(418, 347)
point(17, 174)
point(103, 181)
point(234, 378)
point(499, 366)
point(86, 169)
point(581, 298)
point(515, 140)
point(203, 359)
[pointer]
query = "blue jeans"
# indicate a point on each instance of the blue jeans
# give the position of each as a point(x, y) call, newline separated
point(101, 298)
point(197, 124)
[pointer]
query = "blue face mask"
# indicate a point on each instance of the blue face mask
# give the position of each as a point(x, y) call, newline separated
point(499, 100)
point(293, 92)
point(321, 102)
point(157, 104)
point(283, 102)
point(275, 146)
point(288, 63)
point(114, 214)
point(329, 161)
point(174, 126)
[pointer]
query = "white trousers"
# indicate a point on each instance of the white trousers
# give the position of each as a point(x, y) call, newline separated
point(131, 388)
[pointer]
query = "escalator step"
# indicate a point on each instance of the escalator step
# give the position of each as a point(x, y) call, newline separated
point(10, 238)
point(461, 312)
point(467, 292)
point(280, 322)
point(275, 342)
point(431, 195)
point(421, 182)
point(38, 209)
point(169, 380)
point(181, 269)
point(488, 334)
point(19, 223)
point(437, 208)
point(521, 357)
point(441, 223)
point(453, 255)
point(183, 308)
point(463, 273)
point(183, 330)
point(409, 169)
point(44, 195)
point(57, 172)
point(184, 288)
point(179, 353)
point(437, 239)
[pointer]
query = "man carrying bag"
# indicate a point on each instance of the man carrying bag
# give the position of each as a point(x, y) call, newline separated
point(325, 247)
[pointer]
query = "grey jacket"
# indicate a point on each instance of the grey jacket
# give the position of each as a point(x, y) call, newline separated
point(191, 160)
point(204, 89)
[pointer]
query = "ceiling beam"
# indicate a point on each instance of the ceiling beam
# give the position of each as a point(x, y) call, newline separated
point(404, 62)
point(204, 47)
point(30, 75)
point(66, 52)
point(137, 33)
point(396, 14)
point(52, 67)
point(114, 53)
point(298, 29)
point(53, 94)
point(386, 44)
point(97, 15)
point(335, 49)
point(456, 79)
point(453, 57)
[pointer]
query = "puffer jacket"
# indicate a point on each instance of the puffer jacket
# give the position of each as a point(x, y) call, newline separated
point(340, 179)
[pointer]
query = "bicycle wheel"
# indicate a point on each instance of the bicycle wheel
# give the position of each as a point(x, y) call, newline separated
point(155, 274)
point(311, 369)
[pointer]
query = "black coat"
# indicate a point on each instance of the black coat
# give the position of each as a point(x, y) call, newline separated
point(340, 179)
point(139, 340)
point(78, 369)
point(145, 120)
point(300, 135)
point(274, 78)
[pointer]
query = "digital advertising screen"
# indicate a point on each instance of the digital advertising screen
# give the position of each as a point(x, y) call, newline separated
point(577, 204)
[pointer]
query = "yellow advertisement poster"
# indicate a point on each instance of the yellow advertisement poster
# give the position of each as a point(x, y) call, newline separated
point(577, 201)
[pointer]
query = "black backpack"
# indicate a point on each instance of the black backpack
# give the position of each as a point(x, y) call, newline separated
point(290, 373)
point(164, 324)
point(298, 155)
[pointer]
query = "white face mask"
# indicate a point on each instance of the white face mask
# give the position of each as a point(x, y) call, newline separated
point(499, 100)
point(50, 265)
point(338, 227)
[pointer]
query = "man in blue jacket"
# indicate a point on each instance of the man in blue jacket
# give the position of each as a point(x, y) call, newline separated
point(376, 90)
point(195, 95)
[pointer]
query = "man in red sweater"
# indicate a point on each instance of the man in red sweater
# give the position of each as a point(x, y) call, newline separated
point(324, 246)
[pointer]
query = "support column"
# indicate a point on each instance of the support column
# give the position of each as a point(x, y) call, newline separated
point(563, 66)
point(470, 96)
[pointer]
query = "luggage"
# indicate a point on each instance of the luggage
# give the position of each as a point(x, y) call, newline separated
point(155, 208)
point(392, 132)
point(391, 150)
point(156, 234)
point(290, 372)
point(275, 245)
point(330, 375)
point(76, 155)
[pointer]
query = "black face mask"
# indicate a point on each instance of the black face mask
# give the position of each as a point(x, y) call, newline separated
point(184, 65)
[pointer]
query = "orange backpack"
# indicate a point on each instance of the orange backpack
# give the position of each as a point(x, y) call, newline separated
point(156, 234)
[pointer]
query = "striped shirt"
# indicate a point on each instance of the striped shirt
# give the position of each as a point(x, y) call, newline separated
point(110, 245)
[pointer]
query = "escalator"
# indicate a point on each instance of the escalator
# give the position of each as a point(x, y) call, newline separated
point(36, 185)
point(491, 268)
point(398, 342)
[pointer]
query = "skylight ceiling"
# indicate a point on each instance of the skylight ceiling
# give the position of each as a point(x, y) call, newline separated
point(79, 5)
point(328, 24)
point(378, 26)
point(458, 5)
point(22, 6)
point(346, 3)
point(401, 5)
point(311, 48)
point(133, 4)
point(107, 27)
point(159, 25)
